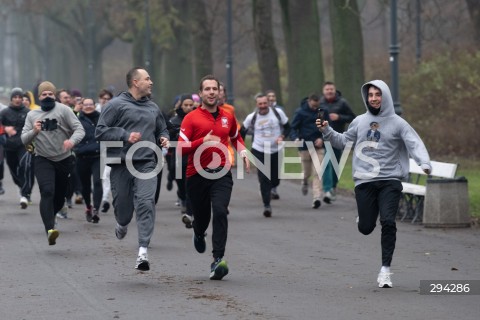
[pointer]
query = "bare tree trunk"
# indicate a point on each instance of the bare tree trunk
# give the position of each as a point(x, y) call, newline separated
point(301, 27)
point(474, 11)
point(267, 57)
point(347, 51)
point(201, 41)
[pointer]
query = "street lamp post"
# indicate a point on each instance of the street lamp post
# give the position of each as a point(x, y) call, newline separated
point(229, 60)
point(147, 48)
point(394, 50)
point(91, 74)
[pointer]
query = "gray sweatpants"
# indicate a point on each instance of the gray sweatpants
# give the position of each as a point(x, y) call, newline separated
point(131, 193)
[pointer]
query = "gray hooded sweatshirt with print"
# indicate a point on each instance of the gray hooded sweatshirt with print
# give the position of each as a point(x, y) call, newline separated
point(383, 143)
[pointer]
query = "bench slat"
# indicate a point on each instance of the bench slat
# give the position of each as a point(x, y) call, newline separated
point(414, 189)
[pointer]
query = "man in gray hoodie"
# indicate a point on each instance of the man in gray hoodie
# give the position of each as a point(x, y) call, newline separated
point(383, 142)
point(55, 130)
point(136, 121)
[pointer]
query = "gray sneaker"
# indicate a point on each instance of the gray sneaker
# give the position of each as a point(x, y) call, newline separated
point(62, 214)
point(120, 231)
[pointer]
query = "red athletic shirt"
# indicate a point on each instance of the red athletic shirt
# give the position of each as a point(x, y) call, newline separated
point(195, 126)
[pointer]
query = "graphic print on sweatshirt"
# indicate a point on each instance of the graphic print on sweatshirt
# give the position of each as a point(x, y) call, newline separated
point(373, 134)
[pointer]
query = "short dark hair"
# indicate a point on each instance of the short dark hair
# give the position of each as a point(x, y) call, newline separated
point(327, 83)
point(26, 95)
point(105, 92)
point(132, 73)
point(270, 91)
point(60, 91)
point(314, 96)
point(209, 77)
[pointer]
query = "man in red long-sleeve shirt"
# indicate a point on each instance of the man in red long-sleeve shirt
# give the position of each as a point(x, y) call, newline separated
point(204, 136)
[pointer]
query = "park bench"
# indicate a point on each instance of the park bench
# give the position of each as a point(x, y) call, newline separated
point(415, 188)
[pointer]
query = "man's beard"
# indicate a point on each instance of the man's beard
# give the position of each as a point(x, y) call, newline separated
point(205, 102)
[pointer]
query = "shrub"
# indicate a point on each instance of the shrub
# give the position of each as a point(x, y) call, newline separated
point(440, 100)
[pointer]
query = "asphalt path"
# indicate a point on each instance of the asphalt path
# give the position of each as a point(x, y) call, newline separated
point(300, 264)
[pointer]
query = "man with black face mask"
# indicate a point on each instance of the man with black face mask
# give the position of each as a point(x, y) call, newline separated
point(55, 130)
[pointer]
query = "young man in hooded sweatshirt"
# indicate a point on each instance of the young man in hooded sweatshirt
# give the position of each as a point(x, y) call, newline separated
point(379, 164)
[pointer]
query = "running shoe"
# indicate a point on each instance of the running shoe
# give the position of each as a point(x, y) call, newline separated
point(142, 262)
point(95, 217)
point(120, 231)
point(52, 236)
point(316, 204)
point(187, 220)
point(384, 280)
point(267, 211)
point(23, 202)
point(105, 206)
point(218, 269)
point(199, 243)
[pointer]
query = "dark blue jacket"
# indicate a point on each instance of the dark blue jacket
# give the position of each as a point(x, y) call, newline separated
point(303, 124)
point(88, 146)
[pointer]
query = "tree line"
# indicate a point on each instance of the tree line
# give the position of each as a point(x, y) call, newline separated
point(284, 40)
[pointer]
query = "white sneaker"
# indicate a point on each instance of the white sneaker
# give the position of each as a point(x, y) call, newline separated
point(142, 263)
point(384, 280)
point(23, 202)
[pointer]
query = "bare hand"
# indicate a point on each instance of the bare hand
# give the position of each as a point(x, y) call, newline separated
point(211, 138)
point(243, 154)
point(134, 137)
point(279, 139)
point(164, 142)
point(321, 125)
point(67, 145)
point(10, 131)
point(37, 126)
point(318, 143)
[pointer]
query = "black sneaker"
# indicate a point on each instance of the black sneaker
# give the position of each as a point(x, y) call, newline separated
point(199, 243)
point(2, 191)
point(169, 185)
point(267, 211)
point(218, 269)
point(274, 195)
point(95, 217)
point(105, 206)
point(316, 204)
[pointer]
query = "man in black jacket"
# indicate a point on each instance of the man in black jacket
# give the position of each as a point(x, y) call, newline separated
point(19, 161)
point(340, 114)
